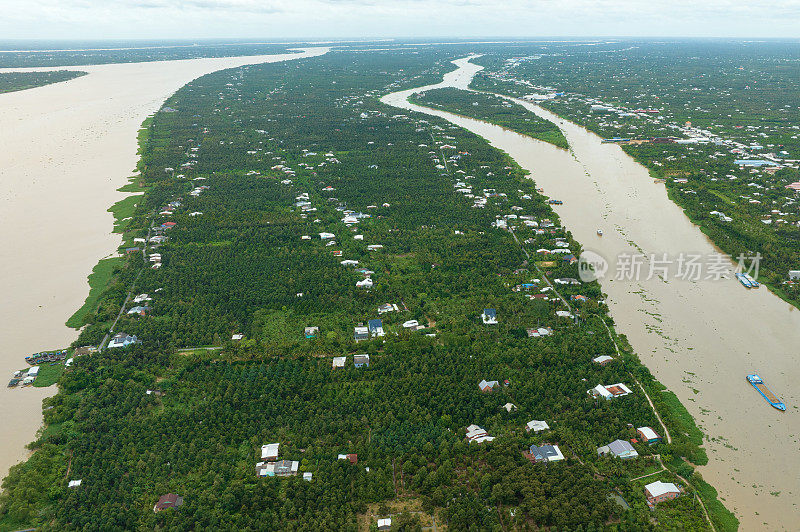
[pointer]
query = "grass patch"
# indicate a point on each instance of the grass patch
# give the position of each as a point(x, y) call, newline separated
point(49, 373)
point(122, 211)
point(99, 278)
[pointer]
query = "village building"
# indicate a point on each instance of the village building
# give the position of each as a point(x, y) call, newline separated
point(476, 434)
point(360, 333)
point(361, 360)
point(611, 391)
point(339, 362)
point(375, 328)
point(544, 453)
point(311, 332)
point(602, 360)
point(487, 386)
point(351, 457)
point(536, 426)
point(659, 491)
point(270, 451)
point(385, 523)
point(618, 449)
point(489, 316)
point(648, 435)
point(411, 325)
point(122, 340)
point(165, 502)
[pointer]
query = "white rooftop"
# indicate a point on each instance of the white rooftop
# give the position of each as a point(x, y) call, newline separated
point(660, 488)
point(537, 426)
point(270, 450)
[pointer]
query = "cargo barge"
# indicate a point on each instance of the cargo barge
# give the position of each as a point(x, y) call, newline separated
point(765, 392)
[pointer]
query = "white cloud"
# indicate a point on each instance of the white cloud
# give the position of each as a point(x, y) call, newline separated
point(381, 18)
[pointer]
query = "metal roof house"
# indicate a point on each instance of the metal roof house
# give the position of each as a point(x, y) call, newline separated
point(361, 360)
point(165, 502)
point(536, 426)
point(375, 327)
point(269, 451)
point(489, 316)
point(487, 386)
point(658, 491)
point(545, 453)
point(648, 435)
point(360, 333)
point(619, 449)
point(122, 340)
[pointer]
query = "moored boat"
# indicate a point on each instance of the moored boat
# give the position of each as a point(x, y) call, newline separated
point(766, 393)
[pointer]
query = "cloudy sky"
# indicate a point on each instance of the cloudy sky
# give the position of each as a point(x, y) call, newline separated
point(272, 19)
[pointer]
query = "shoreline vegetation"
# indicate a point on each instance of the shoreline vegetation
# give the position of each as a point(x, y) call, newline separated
point(404, 416)
point(19, 81)
point(493, 109)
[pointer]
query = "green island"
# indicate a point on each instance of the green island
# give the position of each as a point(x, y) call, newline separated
point(494, 109)
point(292, 224)
point(19, 81)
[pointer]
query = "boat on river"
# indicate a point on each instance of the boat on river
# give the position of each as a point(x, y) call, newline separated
point(746, 280)
point(766, 393)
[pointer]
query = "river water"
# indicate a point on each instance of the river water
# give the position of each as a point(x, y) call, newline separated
point(699, 338)
point(64, 150)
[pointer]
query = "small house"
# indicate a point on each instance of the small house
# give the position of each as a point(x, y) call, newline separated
point(618, 449)
point(365, 283)
point(326, 236)
point(74, 483)
point(385, 523)
point(236, 337)
point(351, 457)
point(339, 362)
point(360, 333)
point(489, 316)
point(544, 453)
point(375, 328)
point(411, 325)
point(476, 434)
point(487, 386)
point(510, 407)
point(270, 451)
point(648, 435)
point(602, 360)
point(361, 360)
point(386, 307)
point(286, 468)
point(611, 391)
point(311, 332)
point(307, 476)
point(122, 340)
point(536, 426)
point(165, 502)
point(658, 491)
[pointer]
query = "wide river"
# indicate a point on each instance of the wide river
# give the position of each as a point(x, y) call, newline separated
point(699, 338)
point(65, 149)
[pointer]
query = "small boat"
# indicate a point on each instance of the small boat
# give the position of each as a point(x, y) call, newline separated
point(765, 392)
point(599, 232)
point(746, 280)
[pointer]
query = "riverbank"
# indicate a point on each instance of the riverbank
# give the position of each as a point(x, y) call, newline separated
point(68, 147)
point(698, 338)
